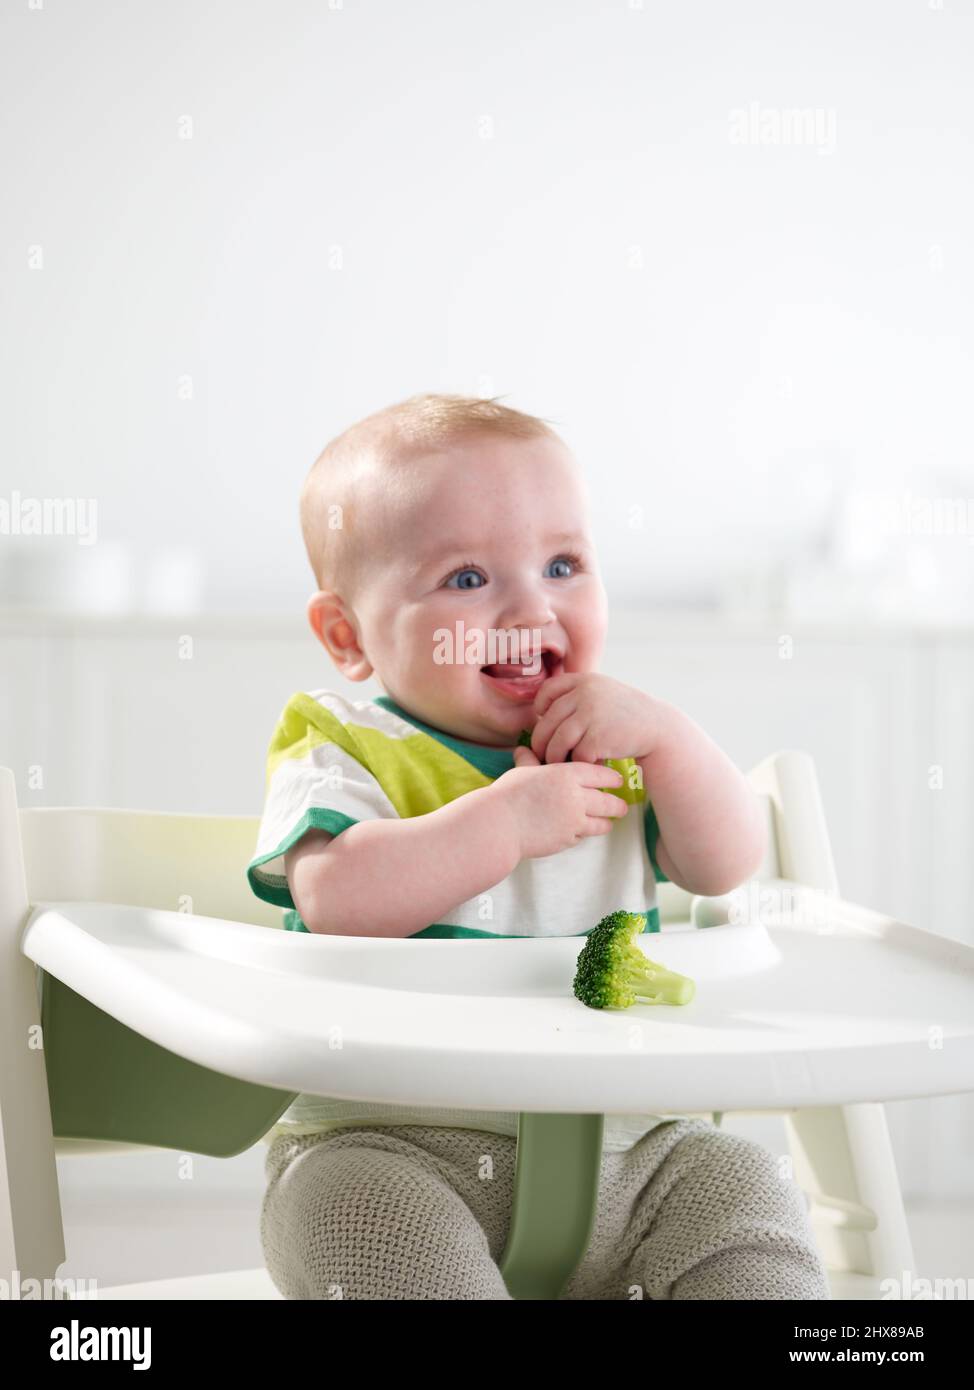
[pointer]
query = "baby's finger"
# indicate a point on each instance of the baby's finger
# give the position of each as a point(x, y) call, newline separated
point(598, 775)
point(525, 757)
point(597, 825)
point(604, 804)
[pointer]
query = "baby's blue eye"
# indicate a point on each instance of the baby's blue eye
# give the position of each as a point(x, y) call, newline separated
point(460, 575)
point(457, 580)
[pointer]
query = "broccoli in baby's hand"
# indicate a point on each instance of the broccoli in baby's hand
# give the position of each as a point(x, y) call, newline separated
point(612, 972)
point(632, 789)
point(632, 784)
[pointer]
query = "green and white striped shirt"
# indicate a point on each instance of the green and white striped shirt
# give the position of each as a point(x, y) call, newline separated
point(333, 762)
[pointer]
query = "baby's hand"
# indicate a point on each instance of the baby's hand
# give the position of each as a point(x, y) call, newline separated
point(552, 807)
point(592, 717)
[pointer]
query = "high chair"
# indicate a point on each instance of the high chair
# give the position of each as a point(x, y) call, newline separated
point(173, 1018)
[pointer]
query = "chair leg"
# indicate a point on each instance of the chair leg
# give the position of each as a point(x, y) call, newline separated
point(843, 1160)
point(31, 1232)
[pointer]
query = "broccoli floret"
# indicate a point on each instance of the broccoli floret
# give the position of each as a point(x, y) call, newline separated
point(612, 972)
point(631, 790)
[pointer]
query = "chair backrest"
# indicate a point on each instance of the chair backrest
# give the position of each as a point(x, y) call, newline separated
point(799, 847)
point(106, 1083)
point(675, 902)
point(196, 863)
point(188, 863)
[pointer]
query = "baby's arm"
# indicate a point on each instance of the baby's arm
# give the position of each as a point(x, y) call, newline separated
point(394, 877)
point(712, 833)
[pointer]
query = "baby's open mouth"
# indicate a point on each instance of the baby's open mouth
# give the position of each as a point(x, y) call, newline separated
point(530, 671)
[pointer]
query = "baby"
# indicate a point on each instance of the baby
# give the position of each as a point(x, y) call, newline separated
point(452, 549)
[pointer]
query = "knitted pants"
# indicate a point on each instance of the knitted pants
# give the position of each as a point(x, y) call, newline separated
point(417, 1212)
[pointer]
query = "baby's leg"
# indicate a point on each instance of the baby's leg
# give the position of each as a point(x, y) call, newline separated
point(717, 1221)
point(392, 1212)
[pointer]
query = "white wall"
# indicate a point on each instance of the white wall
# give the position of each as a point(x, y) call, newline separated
point(542, 200)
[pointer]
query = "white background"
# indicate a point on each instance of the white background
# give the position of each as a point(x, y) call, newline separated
point(540, 200)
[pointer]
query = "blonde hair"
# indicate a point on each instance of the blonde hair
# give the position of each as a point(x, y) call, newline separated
point(421, 424)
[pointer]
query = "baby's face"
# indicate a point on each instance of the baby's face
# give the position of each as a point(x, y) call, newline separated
point(495, 537)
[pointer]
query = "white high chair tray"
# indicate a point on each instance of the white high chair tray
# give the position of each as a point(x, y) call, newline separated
point(853, 1007)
